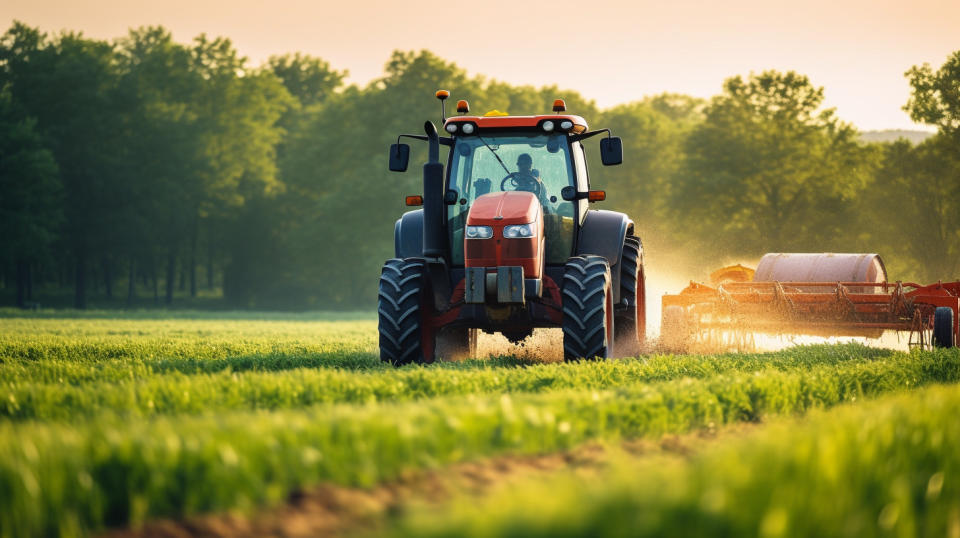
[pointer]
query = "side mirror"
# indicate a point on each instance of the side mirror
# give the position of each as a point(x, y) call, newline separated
point(611, 150)
point(399, 157)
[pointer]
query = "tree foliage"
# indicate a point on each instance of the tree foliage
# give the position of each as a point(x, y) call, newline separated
point(143, 162)
point(935, 95)
point(768, 169)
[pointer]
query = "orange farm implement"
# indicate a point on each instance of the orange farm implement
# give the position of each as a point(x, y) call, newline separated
point(816, 294)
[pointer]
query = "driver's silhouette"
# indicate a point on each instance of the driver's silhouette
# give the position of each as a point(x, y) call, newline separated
point(528, 178)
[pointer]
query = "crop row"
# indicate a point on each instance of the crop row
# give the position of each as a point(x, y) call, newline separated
point(83, 364)
point(882, 468)
point(66, 479)
point(141, 394)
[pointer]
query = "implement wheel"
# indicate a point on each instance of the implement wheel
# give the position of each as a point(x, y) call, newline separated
point(630, 320)
point(943, 335)
point(400, 308)
point(587, 309)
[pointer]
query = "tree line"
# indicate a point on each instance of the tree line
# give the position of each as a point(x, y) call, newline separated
point(141, 171)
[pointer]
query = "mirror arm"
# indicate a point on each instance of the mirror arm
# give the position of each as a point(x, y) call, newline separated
point(415, 137)
point(445, 140)
point(591, 134)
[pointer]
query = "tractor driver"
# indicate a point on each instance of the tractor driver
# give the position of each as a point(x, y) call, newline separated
point(527, 178)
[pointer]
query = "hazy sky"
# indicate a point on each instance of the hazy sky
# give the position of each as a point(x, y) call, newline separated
point(611, 51)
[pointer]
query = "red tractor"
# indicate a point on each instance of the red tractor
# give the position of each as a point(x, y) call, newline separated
point(505, 242)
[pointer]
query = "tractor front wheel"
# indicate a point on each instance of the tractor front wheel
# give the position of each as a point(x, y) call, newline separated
point(587, 309)
point(400, 308)
point(943, 335)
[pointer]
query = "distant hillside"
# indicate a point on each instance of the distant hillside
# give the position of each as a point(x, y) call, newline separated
point(891, 135)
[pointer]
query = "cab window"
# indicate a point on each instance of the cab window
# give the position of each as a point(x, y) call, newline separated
point(538, 163)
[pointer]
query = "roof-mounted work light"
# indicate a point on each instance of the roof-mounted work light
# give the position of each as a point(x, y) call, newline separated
point(442, 95)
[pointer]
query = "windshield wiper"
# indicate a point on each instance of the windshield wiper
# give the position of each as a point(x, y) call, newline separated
point(494, 154)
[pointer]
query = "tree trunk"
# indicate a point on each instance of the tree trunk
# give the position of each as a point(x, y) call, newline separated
point(156, 286)
point(30, 273)
point(210, 256)
point(107, 278)
point(80, 281)
point(22, 284)
point(132, 283)
point(192, 268)
point(171, 274)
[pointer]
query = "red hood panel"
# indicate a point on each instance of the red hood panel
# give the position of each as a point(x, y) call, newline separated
point(516, 207)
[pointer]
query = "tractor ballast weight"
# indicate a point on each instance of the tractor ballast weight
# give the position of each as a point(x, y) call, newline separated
point(510, 250)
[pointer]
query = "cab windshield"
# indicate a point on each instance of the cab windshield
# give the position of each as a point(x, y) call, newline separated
point(537, 163)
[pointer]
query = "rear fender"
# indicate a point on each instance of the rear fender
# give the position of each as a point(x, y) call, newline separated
point(602, 234)
point(408, 235)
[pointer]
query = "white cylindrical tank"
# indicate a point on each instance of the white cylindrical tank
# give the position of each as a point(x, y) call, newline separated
point(822, 267)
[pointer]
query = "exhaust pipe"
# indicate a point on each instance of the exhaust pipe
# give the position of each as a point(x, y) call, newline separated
point(434, 242)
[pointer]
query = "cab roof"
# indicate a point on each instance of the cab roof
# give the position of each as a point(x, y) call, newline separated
point(494, 122)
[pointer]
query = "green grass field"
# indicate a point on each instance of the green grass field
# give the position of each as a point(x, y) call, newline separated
point(115, 420)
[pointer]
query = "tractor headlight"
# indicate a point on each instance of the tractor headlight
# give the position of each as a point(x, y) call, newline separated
point(451, 128)
point(515, 231)
point(547, 126)
point(566, 125)
point(479, 232)
point(468, 128)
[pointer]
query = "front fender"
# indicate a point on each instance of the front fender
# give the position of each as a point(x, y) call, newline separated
point(602, 234)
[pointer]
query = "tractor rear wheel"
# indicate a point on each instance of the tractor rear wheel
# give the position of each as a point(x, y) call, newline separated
point(457, 343)
point(943, 335)
point(400, 309)
point(630, 321)
point(587, 309)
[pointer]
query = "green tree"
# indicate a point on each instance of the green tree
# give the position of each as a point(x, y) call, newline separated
point(68, 84)
point(653, 131)
point(30, 211)
point(309, 79)
point(935, 95)
point(915, 207)
point(769, 169)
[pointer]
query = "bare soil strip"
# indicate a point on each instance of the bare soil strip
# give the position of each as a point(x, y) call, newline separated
point(329, 510)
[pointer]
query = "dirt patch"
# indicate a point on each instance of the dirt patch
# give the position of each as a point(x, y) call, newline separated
point(333, 510)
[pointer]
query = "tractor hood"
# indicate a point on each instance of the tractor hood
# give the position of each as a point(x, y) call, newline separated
point(501, 208)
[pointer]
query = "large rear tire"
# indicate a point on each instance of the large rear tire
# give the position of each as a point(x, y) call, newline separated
point(630, 321)
point(400, 310)
point(587, 309)
point(943, 335)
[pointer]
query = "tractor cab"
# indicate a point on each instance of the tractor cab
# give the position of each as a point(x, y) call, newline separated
point(502, 225)
point(520, 160)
